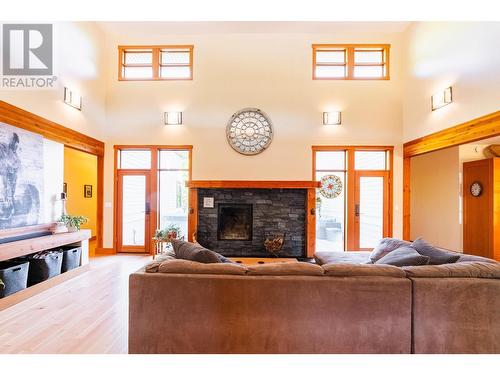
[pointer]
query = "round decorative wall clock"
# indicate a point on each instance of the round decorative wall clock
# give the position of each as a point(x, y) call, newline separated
point(476, 189)
point(331, 186)
point(249, 131)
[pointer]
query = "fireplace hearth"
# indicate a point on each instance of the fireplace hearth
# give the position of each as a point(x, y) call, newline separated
point(234, 222)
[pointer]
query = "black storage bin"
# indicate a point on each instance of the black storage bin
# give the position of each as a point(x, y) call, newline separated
point(44, 267)
point(14, 275)
point(71, 257)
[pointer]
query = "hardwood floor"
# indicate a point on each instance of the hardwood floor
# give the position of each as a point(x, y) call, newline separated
point(88, 314)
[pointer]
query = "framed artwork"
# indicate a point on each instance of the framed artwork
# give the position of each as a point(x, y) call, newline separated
point(87, 191)
point(21, 177)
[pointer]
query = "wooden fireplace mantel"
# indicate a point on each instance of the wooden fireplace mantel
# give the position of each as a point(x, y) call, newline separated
point(243, 184)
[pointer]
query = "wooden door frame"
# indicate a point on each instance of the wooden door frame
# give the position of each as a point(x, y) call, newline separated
point(23, 119)
point(119, 207)
point(153, 183)
point(385, 174)
point(474, 130)
point(349, 243)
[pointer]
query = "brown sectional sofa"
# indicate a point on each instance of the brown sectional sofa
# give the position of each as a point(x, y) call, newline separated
point(342, 306)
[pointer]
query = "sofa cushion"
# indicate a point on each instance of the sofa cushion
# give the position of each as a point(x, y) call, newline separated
point(404, 256)
point(196, 252)
point(188, 266)
point(465, 269)
point(385, 246)
point(343, 269)
point(354, 257)
point(436, 256)
point(286, 268)
point(464, 258)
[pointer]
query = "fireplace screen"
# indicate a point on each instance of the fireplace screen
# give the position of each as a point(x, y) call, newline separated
point(235, 222)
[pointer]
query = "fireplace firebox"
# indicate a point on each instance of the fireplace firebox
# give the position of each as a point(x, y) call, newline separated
point(234, 222)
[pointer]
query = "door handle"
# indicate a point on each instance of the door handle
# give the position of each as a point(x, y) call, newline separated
point(148, 208)
point(356, 210)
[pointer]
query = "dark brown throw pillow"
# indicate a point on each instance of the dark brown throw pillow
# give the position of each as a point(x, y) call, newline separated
point(436, 256)
point(404, 256)
point(196, 252)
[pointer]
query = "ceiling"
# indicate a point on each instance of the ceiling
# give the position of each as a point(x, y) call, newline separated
point(178, 28)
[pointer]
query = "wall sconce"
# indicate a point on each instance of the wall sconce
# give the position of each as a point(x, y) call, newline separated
point(332, 118)
point(72, 99)
point(441, 99)
point(172, 118)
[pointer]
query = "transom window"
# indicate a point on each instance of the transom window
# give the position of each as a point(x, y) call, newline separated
point(150, 63)
point(350, 61)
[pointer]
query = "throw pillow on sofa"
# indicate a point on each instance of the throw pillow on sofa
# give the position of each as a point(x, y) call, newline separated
point(404, 256)
point(436, 256)
point(196, 252)
point(385, 246)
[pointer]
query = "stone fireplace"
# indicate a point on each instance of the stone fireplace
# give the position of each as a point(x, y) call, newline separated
point(235, 217)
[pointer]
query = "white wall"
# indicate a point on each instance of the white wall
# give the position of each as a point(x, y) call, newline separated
point(435, 198)
point(441, 54)
point(78, 64)
point(53, 178)
point(269, 71)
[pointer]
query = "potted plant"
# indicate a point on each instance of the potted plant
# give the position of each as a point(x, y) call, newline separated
point(73, 222)
point(170, 232)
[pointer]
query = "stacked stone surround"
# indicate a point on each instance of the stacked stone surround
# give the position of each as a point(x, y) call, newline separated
point(275, 211)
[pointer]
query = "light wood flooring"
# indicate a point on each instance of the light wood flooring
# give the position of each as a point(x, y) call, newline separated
point(88, 314)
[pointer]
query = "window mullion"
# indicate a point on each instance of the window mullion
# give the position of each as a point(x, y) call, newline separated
point(156, 63)
point(350, 62)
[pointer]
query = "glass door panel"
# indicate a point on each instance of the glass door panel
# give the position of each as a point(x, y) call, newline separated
point(330, 217)
point(133, 215)
point(371, 211)
point(371, 206)
point(173, 195)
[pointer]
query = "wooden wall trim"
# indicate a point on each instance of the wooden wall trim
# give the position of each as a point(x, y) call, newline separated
point(23, 119)
point(193, 214)
point(311, 223)
point(105, 251)
point(470, 131)
point(406, 197)
point(244, 184)
point(474, 130)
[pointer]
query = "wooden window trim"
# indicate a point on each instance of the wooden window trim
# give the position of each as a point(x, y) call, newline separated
point(156, 63)
point(350, 62)
point(350, 171)
point(153, 183)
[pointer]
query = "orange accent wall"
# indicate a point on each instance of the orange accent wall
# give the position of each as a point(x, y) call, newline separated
point(80, 169)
